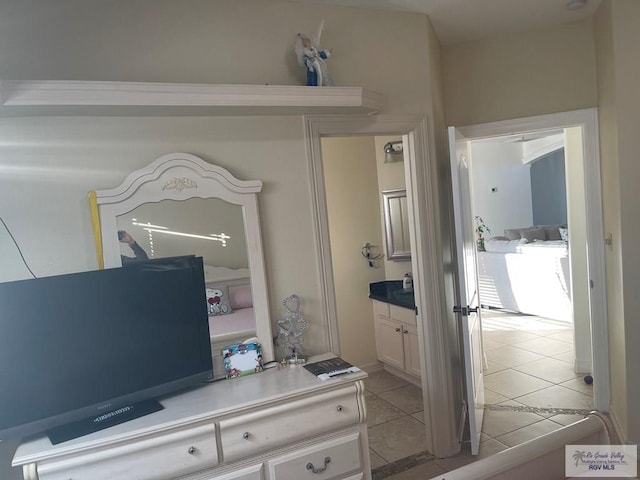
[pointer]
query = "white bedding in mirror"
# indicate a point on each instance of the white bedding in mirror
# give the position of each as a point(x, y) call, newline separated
point(240, 322)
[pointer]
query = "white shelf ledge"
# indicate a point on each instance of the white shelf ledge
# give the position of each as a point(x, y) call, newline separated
point(91, 98)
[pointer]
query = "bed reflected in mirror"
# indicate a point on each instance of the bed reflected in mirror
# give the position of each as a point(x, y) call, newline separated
point(172, 228)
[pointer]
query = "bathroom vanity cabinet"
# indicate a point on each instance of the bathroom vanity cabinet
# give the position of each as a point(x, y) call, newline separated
point(397, 339)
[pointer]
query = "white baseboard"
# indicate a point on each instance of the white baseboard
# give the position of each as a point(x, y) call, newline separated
point(581, 365)
point(372, 367)
point(403, 375)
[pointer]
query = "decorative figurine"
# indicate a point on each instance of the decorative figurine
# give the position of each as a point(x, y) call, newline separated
point(313, 58)
point(291, 329)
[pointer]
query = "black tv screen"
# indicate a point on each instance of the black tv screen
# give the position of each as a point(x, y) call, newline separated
point(79, 345)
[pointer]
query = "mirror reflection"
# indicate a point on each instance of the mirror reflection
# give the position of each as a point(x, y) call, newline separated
point(210, 228)
point(206, 227)
point(181, 205)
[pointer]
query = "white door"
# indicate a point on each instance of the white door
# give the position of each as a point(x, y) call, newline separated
point(468, 303)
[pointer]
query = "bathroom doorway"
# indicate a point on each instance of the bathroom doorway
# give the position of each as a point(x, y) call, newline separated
point(356, 173)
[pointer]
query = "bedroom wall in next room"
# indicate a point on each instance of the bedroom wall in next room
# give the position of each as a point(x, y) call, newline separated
point(499, 166)
point(549, 189)
point(508, 193)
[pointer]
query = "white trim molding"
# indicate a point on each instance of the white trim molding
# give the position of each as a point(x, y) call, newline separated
point(421, 181)
point(60, 97)
point(587, 119)
point(541, 147)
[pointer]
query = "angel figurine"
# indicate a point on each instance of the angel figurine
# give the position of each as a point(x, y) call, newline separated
point(313, 58)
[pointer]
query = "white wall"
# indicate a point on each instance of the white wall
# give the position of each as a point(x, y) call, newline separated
point(520, 74)
point(48, 165)
point(616, 43)
point(351, 185)
point(626, 17)
point(499, 165)
point(47, 208)
point(221, 41)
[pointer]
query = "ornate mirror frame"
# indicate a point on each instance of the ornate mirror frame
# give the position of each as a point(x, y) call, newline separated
point(181, 176)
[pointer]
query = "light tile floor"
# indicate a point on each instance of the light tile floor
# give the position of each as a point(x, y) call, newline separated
point(395, 418)
point(529, 365)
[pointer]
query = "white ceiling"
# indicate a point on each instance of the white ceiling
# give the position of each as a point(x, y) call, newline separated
point(457, 21)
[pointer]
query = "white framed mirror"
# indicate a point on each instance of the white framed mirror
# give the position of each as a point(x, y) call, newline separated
point(181, 205)
point(396, 224)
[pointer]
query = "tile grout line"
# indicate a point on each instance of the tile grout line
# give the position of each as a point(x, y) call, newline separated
point(528, 409)
point(402, 464)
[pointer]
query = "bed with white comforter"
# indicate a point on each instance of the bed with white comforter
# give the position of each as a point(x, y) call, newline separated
point(526, 277)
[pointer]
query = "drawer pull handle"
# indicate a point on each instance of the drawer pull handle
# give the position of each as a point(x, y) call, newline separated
point(246, 435)
point(310, 466)
point(398, 330)
point(192, 450)
point(339, 408)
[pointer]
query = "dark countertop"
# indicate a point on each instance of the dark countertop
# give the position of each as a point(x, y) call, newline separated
point(390, 291)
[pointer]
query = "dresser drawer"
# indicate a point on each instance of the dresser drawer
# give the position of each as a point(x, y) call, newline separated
point(290, 422)
point(162, 457)
point(330, 459)
point(404, 315)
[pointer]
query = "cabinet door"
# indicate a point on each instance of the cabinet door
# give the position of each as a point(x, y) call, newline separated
point(411, 350)
point(389, 342)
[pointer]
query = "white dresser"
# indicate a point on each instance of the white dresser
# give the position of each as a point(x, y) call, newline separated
point(281, 424)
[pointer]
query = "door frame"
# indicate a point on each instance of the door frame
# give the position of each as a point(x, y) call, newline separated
point(440, 405)
point(588, 120)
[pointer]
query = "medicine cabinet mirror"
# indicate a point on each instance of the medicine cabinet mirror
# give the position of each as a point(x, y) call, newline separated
point(396, 224)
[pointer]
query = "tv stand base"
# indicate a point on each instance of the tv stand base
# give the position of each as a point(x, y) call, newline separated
point(108, 419)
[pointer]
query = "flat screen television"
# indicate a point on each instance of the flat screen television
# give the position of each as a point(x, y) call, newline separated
point(92, 345)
